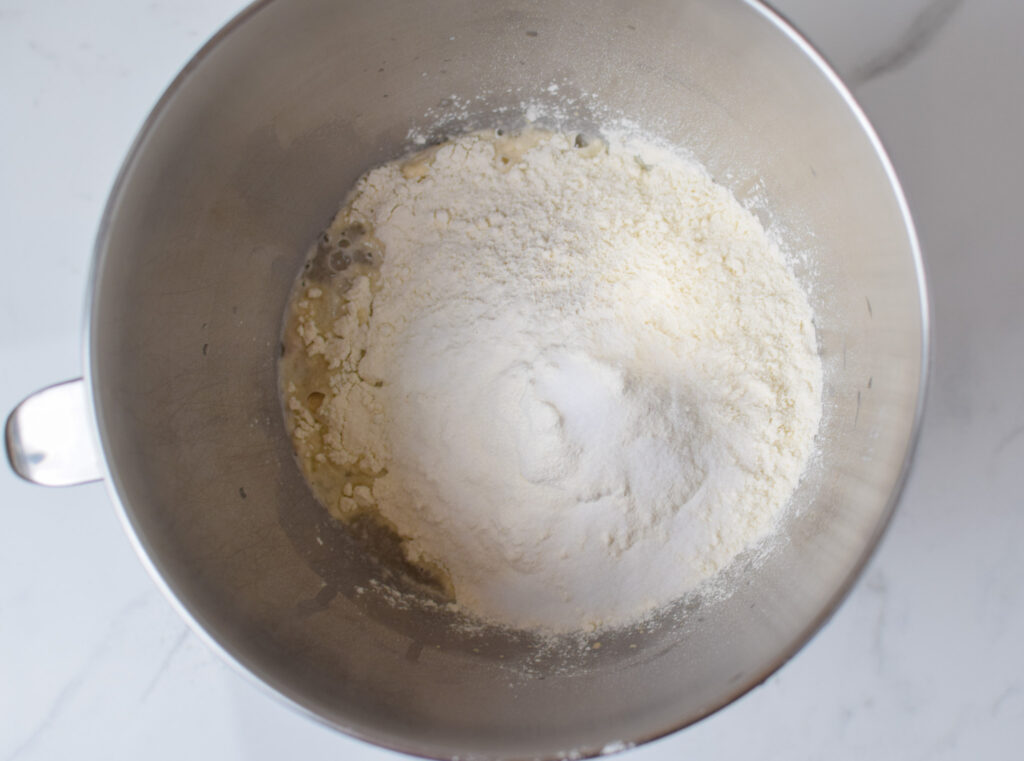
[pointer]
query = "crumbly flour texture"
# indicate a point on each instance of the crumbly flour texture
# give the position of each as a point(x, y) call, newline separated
point(576, 378)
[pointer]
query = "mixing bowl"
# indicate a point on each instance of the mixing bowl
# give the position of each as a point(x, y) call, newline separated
point(241, 164)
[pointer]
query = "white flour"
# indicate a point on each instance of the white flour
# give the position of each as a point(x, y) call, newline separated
point(581, 382)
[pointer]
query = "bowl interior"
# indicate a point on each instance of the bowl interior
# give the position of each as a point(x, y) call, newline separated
point(247, 158)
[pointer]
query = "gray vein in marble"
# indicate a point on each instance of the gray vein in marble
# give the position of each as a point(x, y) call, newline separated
point(948, 740)
point(879, 586)
point(74, 684)
point(1008, 439)
point(1008, 695)
point(43, 52)
point(919, 35)
point(179, 641)
point(56, 708)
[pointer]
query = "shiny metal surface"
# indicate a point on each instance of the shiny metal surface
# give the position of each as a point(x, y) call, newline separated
point(247, 157)
point(50, 439)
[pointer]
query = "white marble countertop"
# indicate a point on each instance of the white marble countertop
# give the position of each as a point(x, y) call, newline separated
point(924, 661)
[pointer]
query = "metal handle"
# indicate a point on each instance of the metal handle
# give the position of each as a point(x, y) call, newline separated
point(50, 437)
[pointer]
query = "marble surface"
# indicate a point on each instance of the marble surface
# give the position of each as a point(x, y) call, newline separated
point(925, 659)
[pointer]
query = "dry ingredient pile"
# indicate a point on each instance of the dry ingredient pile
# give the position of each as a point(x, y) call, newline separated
point(575, 377)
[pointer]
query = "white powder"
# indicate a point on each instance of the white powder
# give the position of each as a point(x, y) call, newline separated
point(582, 381)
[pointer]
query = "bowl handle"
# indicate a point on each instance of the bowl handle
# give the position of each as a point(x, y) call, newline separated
point(50, 438)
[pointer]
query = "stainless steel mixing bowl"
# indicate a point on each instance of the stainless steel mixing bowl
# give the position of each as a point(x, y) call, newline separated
point(242, 163)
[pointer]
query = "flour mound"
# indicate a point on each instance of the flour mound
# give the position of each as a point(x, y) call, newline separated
point(579, 381)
